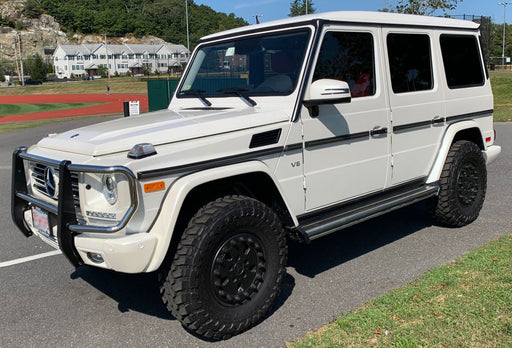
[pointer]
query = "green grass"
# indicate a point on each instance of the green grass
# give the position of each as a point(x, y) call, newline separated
point(118, 85)
point(502, 89)
point(17, 109)
point(467, 303)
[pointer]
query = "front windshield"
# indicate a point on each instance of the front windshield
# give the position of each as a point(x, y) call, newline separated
point(261, 65)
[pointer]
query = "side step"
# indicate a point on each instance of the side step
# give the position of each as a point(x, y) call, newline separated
point(319, 225)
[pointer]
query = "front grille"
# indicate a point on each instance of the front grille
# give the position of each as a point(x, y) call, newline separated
point(39, 184)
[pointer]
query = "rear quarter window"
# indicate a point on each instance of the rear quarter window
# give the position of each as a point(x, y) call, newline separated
point(462, 61)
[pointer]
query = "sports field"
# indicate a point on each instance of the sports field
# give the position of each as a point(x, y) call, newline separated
point(102, 104)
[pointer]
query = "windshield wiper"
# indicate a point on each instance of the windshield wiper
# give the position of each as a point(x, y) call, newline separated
point(238, 92)
point(198, 93)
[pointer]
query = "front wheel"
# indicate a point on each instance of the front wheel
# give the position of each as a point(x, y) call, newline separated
point(463, 185)
point(227, 268)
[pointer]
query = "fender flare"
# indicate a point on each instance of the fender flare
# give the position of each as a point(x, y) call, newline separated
point(449, 135)
point(163, 227)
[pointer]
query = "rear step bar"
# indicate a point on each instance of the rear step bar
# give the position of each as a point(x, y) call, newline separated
point(323, 224)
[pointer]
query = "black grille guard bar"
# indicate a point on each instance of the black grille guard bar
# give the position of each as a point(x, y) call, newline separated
point(67, 225)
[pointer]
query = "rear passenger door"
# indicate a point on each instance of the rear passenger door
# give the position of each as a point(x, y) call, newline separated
point(416, 101)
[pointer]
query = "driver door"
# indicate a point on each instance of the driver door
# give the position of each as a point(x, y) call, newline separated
point(347, 146)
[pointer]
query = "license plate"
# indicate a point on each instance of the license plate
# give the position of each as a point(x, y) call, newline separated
point(41, 221)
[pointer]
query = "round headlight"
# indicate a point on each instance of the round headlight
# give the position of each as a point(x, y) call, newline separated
point(110, 188)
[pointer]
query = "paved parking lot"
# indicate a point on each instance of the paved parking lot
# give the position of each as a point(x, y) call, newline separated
point(45, 302)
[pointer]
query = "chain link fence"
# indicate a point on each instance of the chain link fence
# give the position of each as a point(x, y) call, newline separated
point(485, 32)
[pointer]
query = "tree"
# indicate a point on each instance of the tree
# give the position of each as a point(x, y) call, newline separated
point(6, 68)
point(298, 8)
point(33, 9)
point(422, 7)
point(36, 67)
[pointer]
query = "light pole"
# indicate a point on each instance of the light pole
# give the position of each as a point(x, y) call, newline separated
point(504, 4)
point(186, 15)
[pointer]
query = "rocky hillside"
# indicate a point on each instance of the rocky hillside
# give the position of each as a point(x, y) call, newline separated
point(43, 33)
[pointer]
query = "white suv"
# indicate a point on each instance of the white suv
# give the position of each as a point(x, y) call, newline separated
point(298, 128)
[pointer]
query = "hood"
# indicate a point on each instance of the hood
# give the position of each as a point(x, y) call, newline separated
point(157, 128)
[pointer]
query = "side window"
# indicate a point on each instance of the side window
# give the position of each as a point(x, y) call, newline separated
point(348, 57)
point(410, 62)
point(462, 62)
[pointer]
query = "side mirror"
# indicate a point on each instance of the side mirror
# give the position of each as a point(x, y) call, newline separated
point(326, 91)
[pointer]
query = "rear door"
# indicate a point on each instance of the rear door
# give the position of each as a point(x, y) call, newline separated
point(416, 100)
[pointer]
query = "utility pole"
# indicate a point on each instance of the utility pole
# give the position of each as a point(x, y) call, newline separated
point(186, 15)
point(257, 16)
point(504, 4)
point(21, 61)
point(108, 62)
point(16, 59)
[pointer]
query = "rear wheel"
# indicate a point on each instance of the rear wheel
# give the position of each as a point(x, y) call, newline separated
point(227, 268)
point(463, 185)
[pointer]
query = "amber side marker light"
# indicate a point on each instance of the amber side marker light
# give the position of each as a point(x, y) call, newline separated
point(154, 186)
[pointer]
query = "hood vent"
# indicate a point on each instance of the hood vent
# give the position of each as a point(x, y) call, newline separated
point(265, 138)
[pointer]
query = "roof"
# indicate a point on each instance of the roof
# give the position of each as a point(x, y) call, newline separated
point(88, 49)
point(378, 18)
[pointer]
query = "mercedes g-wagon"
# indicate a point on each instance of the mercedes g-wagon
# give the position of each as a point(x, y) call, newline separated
point(299, 127)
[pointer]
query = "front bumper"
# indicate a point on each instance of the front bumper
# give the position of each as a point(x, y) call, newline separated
point(125, 253)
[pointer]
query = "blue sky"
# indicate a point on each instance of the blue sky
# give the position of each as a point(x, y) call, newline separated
point(278, 9)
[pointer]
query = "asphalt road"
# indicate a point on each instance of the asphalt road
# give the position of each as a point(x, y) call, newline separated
point(48, 303)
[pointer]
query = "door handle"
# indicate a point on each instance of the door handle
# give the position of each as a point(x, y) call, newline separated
point(378, 130)
point(438, 119)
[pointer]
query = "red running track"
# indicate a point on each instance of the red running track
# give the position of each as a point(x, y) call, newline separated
point(114, 105)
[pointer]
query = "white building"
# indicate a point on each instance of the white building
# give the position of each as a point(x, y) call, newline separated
point(84, 60)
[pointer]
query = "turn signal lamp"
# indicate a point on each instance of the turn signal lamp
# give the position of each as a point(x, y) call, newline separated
point(154, 186)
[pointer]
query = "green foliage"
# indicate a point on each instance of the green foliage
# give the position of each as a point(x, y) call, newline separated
point(6, 67)
point(102, 71)
point(162, 18)
point(32, 8)
point(19, 26)
point(422, 7)
point(7, 22)
point(497, 40)
point(298, 8)
point(35, 67)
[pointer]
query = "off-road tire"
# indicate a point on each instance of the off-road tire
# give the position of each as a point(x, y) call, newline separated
point(463, 186)
point(227, 268)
